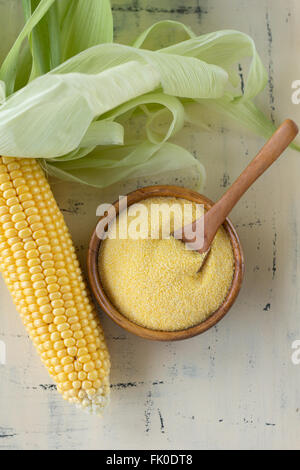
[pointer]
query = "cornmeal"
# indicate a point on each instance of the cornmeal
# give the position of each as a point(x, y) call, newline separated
point(155, 282)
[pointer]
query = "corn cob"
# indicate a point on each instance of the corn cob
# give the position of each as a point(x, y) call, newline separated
point(40, 267)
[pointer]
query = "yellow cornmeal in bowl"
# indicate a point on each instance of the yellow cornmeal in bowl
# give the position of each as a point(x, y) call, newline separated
point(156, 283)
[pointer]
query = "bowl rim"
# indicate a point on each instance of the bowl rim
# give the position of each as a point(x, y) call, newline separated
point(146, 333)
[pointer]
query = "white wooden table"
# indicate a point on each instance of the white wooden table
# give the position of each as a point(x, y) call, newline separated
point(235, 386)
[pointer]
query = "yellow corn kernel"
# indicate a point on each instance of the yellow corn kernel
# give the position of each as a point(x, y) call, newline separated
point(38, 262)
point(55, 336)
point(46, 309)
point(86, 385)
point(68, 369)
point(73, 376)
point(72, 351)
point(67, 361)
point(89, 367)
point(70, 342)
point(58, 304)
point(92, 376)
point(82, 376)
point(67, 334)
point(63, 327)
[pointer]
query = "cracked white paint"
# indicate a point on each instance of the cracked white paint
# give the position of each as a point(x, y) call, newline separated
point(235, 386)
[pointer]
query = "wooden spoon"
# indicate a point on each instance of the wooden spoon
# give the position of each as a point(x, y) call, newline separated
point(216, 216)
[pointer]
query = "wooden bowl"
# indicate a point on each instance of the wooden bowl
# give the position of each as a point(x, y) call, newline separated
point(105, 303)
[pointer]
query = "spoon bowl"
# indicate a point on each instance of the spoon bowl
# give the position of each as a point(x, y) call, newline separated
point(106, 305)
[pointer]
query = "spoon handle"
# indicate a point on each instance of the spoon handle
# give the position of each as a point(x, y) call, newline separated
point(216, 216)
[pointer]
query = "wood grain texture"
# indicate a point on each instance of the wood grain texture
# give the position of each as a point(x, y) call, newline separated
point(235, 386)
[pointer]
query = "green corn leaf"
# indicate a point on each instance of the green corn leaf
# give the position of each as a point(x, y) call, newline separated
point(80, 152)
point(103, 133)
point(246, 114)
point(63, 9)
point(40, 44)
point(54, 36)
point(44, 40)
point(50, 116)
point(163, 34)
point(57, 109)
point(109, 166)
point(8, 70)
point(100, 133)
point(188, 77)
point(75, 116)
point(2, 92)
point(166, 103)
point(250, 116)
point(24, 67)
point(225, 48)
point(180, 76)
point(27, 8)
point(85, 24)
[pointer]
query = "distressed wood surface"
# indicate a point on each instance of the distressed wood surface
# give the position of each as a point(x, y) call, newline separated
point(235, 386)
